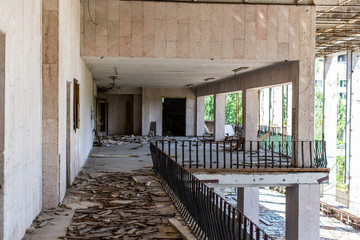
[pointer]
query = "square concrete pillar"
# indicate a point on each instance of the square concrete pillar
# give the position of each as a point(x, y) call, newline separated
point(355, 134)
point(248, 202)
point(219, 116)
point(250, 116)
point(200, 114)
point(330, 118)
point(303, 212)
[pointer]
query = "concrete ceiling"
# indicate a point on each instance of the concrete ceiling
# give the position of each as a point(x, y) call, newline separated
point(164, 72)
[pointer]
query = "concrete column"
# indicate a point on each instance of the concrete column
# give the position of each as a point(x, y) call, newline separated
point(354, 184)
point(330, 119)
point(219, 116)
point(50, 106)
point(248, 202)
point(303, 212)
point(200, 114)
point(250, 114)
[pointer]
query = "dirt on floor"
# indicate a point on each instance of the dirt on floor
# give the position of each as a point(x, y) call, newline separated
point(112, 205)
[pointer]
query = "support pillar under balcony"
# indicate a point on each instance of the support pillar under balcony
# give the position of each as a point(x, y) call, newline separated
point(303, 212)
point(248, 202)
point(219, 116)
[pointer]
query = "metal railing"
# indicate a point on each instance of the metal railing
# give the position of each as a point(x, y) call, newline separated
point(208, 214)
point(235, 154)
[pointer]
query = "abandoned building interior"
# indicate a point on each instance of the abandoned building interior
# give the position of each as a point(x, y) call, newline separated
point(74, 73)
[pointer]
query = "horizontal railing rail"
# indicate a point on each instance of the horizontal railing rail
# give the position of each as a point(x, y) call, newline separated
point(208, 154)
point(207, 213)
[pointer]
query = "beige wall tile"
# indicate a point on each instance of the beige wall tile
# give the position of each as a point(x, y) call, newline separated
point(148, 11)
point(216, 50)
point(136, 11)
point(283, 51)
point(183, 11)
point(261, 22)
point(239, 21)
point(171, 49)
point(283, 24)
point(160, 46)
point(149, 28)
point(261, 46)
point(250, 40)
point(101, 17)
point(216, 23)
point(239, 49)
point(171, 11)
point(101, 45)
point(125, 46)
point(205, 39)
point(272, 33)
point(294, 40)
point(113, 10)
point(113, 38)
point(171, 30)
point(183, 39)
point(160, 10)
point(148, 47)
point(250, 13)
point(205, 12)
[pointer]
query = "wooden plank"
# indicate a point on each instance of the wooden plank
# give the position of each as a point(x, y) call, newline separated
point(186, 234)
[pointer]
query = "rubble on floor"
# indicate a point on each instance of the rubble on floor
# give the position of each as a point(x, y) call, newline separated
point(127, 206)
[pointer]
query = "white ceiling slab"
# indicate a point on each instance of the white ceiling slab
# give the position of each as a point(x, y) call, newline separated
point(164, 72)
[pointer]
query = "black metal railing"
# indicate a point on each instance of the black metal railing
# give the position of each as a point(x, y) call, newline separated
point(208, 154)
point(209, 215)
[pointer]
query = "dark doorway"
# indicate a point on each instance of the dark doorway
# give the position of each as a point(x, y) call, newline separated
point(173, 122)
point(101, 116)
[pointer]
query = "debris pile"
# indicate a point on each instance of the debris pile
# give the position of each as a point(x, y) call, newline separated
point(128, 206)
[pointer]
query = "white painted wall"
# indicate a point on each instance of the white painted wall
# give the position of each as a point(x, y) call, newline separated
point(152, 108)
point(71, 66)
point(20, 21)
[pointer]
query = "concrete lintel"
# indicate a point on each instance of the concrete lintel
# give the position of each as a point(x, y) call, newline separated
point(264, 179)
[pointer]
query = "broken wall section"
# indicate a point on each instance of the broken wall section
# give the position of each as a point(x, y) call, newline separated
point(20, 22)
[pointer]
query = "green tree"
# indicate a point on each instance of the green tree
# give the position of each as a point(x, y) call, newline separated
point(231, 108)
point(341, 113)
point(209, 108)
point(318, 113)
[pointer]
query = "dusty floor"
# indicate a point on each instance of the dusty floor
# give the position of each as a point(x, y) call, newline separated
point(115, 196)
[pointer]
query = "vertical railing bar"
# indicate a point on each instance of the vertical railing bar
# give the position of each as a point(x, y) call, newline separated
point(280, 153)
point(210, 146)
point(176, 154)
point(244, 154)
point(237, 154)
point(258, 153)
point(204, 154)
point(310, 153)
point(190, 160)
point(197, 154)
point(287, 154)
point(183, 153)
point(217, 154)
point(162, 145)
point(265, 154)
point(251, 160)
point(294, 155)
point(231, 154)
point(169, 146)
point(272, 154)
point(224, 154)
point(302, 153)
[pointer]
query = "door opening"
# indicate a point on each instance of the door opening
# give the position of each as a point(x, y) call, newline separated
point(102, 116)
point(173, 118)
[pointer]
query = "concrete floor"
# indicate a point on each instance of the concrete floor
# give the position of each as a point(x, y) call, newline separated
point(124, 158)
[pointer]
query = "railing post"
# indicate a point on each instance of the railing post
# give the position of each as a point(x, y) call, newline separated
point(224, 155)
point(310, 153)
point(244, 154)
point(176, 154)
point(189, 153)
point(272, 154)
point(169, 146)
point(265, 154)
point(204, 154)
point(210, 146)
point(280, 153)
point(287, 154)
point(251, 160)
point(217, 154)
point(258, 153)
point(197, 154)
point(237, 153)
point(302, 153)
point(231, 154)
point(183, 153)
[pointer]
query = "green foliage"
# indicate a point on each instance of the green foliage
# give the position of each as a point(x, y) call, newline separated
point(340, 174)
point(341, 113)
point(209, 108)
point(318, 113)
point(230, 109)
